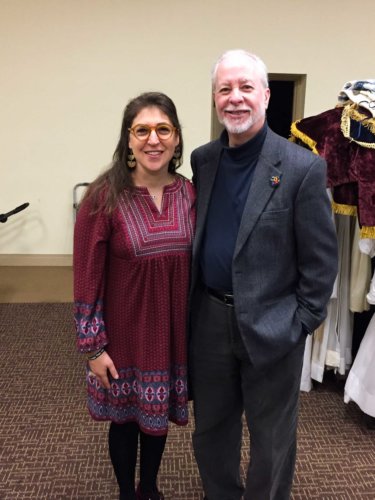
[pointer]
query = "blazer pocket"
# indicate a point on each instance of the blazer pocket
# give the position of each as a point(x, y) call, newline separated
point(275, 214)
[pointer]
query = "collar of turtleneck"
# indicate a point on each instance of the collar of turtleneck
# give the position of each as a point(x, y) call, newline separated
point(249, 149)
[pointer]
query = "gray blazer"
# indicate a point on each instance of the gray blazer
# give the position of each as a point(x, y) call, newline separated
point(285, 258)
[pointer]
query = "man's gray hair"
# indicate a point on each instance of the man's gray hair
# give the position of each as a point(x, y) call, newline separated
point(263, 73)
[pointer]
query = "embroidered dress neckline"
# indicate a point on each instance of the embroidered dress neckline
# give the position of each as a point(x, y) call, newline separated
point(151, 201)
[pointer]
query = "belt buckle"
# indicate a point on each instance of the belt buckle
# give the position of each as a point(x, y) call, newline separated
point(228, 299)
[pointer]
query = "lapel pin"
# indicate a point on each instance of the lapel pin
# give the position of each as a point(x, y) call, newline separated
point(275, 180)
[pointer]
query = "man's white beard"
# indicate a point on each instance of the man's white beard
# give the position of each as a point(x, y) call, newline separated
point(240, 128)
point(234, 128)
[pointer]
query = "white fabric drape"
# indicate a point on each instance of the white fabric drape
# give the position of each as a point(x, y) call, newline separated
point(360, 384)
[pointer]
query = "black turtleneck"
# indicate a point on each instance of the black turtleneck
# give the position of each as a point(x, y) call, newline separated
point(231, 187)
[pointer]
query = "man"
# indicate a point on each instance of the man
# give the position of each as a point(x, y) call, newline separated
point(264, 264)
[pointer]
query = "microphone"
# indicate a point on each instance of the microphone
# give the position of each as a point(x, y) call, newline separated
point(4, 217)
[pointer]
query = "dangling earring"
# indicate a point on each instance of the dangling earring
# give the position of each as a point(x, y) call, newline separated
point(131, 160)
point(177, 157)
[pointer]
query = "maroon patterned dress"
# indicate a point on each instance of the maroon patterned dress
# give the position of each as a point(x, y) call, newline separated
point(131, 278)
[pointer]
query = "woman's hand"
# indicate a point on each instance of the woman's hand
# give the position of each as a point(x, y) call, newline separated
point(100, 368)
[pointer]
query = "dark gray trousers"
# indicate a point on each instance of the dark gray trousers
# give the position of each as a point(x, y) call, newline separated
point(224, 385)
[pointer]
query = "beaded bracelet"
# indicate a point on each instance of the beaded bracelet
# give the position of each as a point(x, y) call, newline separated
point(96, 355)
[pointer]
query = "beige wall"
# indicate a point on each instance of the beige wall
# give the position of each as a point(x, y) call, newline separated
point(69, 66)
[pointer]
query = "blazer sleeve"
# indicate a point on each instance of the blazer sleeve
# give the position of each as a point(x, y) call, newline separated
point(317, 252)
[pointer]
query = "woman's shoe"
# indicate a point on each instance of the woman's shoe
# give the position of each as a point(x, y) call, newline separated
point(128, 496)
point(158, 495)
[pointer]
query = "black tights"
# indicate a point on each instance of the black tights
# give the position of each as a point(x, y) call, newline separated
point(123, 446)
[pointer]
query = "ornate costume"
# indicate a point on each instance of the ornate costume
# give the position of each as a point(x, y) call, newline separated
point(345, 137)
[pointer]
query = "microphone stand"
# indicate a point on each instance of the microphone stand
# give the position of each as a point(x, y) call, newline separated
point(4, 217)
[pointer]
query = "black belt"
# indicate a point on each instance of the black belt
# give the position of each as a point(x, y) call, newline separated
point(226, 298)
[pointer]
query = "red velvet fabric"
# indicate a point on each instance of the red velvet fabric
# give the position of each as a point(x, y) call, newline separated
point(350, 167)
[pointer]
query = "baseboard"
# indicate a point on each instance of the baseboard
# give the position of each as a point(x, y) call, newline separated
point(30, 260)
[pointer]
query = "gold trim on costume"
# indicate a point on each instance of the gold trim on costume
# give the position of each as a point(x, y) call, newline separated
point(351, 112)
point(303, 137)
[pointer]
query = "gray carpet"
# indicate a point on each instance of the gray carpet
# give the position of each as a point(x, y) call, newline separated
point(51, 449)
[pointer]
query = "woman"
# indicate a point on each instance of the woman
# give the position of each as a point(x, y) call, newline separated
point(132, 247)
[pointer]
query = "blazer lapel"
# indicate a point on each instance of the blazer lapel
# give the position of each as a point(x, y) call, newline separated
point(261, 190)
point(207, 174)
